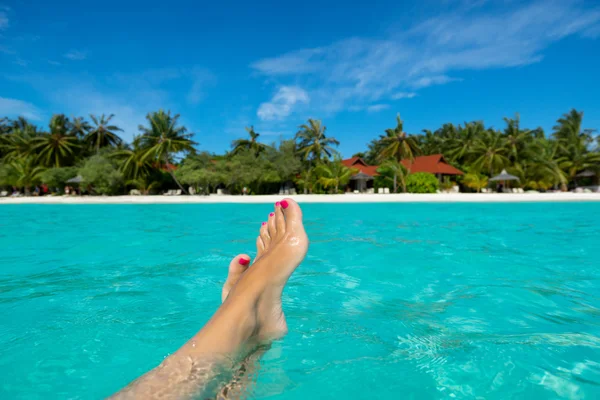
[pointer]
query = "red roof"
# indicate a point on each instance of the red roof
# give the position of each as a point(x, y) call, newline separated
point(434, 164)
point(359, 164)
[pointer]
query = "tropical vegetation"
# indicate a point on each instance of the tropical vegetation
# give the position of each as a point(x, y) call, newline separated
point(163, 155)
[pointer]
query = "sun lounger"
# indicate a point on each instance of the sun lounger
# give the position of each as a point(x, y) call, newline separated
point(3, 193)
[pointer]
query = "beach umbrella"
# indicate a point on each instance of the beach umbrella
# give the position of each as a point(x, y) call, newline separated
point(504, 176)
point(77, 179)
point(585, 174)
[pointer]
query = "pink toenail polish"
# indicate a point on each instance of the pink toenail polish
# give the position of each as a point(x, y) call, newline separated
point(244, 261)
point(264, 223)
point(277, 204)
point(284, 204)
point(270, 215)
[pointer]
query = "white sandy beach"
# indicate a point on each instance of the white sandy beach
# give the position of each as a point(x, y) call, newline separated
point(341, 198)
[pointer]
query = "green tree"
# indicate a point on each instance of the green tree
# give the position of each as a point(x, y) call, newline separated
point(334, 174)
point(489, 152)
point(18, 143)
point(393, 170)
point(397, 144)
point(133, 162)
point(163, 138)
point(251, 144)
point(57, 148)
point(27, 172)
point(102, 174)
point(519, 141)
point(313, 144)
point(475, 181)
point(463, 143)
point(199, 171)
point(285, 160)
point(79, 127)
point(103, 134)
point(58, 177)
point(422, 182)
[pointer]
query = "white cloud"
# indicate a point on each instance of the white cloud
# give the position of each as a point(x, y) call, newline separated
point(403, 95)
point(431, 80)
point(3, 20)
point(76, 55)
point(282, 103)
point(377, 107)
point(357, 71)
point(15, 108)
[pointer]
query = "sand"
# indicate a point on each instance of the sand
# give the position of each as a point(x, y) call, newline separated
point(341, 198)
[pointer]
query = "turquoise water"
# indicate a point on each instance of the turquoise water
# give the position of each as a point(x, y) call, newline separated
point(416, 301)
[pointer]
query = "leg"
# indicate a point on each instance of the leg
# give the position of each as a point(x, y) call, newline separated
point(250, 314)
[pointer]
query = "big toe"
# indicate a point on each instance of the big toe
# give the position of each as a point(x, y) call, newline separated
point(292, 214)
point(237, 267)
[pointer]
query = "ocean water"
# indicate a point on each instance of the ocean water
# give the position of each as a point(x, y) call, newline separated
point(412, 301)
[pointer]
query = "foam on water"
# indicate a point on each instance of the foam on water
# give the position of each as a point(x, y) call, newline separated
point(410, 300)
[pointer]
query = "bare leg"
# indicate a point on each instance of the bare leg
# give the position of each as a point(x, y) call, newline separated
point(251, 314)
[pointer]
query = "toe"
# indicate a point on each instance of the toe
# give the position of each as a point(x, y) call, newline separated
point(271, 226)
point(279, 218)
point(264, 235)
point(293, 214)
point(237, 267)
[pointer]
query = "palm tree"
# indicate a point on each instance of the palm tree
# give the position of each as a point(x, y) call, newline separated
point(577, 161)
point(333, 174)
point(103, 134)
point(489, 152)
point(397, 144)
point(251, 144)
point(79, 127)
point(27, 172)
point(56, 148)
point(517, 140)
point(463, 143)
point(133, 163)
point(397, 170)
point(18, 144)
point(163, 138)
point(476, 181)
point(313, 143)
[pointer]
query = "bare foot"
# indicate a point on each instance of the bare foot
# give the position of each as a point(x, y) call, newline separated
point(281, 246)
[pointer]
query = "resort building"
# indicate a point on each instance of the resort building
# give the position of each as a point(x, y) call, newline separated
point(434, 164)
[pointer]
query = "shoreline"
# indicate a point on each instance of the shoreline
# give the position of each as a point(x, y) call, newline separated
point(315, 198)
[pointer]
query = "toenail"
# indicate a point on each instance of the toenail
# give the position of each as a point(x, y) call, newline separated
point(284, 204)
point(244, 261)
point(270, 215)
point(264, 223)
point(277, 204)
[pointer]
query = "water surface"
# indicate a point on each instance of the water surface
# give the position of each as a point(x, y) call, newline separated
point(416, 301)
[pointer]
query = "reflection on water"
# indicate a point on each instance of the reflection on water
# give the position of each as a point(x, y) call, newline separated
point(410, 300)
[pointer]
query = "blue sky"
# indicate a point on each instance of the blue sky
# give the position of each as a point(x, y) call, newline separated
point(225, 65)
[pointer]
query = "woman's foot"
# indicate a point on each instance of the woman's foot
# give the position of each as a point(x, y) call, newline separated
point(281, 246)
